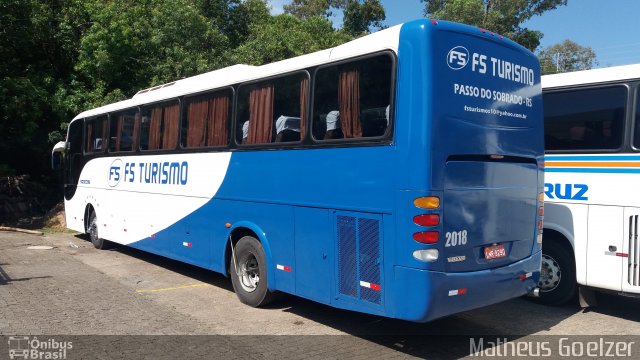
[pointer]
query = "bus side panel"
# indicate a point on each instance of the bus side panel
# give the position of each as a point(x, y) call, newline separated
point(605, 229)
point(314, 254)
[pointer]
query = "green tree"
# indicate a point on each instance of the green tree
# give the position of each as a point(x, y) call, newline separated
point(305, 9)
point(566, 56)
point(132, 45)
point(504, 17)
point(359, 16)
point(285, 36)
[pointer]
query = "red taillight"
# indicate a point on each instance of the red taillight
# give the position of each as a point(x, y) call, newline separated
point(541, 211)
point(427, 220)
point(426, 237)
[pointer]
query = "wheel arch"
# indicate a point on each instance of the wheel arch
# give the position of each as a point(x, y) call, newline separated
point(247, 228)
point(88, 210)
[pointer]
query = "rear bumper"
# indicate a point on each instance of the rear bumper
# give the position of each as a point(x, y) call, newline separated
point(427, 295)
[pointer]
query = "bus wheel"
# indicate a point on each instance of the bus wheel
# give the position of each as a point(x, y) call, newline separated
point(249, 272)
point(557, 274)
point(96, 240)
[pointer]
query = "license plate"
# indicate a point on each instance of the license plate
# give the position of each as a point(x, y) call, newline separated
point(494, 252)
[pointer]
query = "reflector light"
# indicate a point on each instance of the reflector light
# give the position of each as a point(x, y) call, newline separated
point(429, 255)
point(283, 268)
point(426, 237)
point(369, 285)
point(187, 244)
point(427, 202)
point(427, 219)
point(456, 292)
point(540, 211)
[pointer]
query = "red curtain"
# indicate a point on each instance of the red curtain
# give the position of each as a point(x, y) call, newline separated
point(155, 124)
point(170, 135)
point(196, 122)
point(89, 137)
point(136, 126)
point(218, 121)
point(261, 115)
point(349, 99)
point(119, 125)
point(304, 99)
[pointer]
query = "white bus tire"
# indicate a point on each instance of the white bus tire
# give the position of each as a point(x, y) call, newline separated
point(557, 275)
point(249, 279)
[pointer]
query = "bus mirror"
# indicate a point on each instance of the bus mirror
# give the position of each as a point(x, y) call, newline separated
point(56, 155)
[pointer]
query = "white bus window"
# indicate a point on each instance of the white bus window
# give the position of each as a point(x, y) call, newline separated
point(96, 134)
point(160, 126)
point(206, 119)
point(273, 110)
point(352, 100)
point(123, 131)
point(585, 119)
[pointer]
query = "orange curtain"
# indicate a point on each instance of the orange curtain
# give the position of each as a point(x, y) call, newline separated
point(155, 124)
point(119, 125)
point(136, 126)
point(261, 115)
point(349, 99)
point(304, 99)
point(218, 121)
point(89, 138)
point(196, 122)
point(170, 133)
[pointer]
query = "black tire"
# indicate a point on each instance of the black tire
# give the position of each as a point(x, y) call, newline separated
point(250, 278)
point(558, 274)
point(96, 240)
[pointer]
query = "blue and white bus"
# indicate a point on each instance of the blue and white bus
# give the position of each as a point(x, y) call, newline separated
point(399, 174)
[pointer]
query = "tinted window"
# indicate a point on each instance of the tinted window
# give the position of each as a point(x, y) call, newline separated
point(123, 130)
point(273, 110)
point(96, 134)
point(205, 120)
point(353, 100)
point(584, 119)
point(159, 126)
point(636, 131)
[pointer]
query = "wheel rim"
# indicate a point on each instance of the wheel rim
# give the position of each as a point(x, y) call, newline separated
point(249, 273)
point(93, 231)
point(550, 274)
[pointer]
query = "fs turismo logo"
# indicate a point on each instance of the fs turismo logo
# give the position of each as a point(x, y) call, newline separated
point(458, 58)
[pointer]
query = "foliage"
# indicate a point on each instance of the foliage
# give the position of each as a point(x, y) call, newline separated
point(359, 16)
point(504, 17)
point(566, 56)
point(305, 9)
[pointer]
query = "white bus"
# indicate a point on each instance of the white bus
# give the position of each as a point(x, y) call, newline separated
point(592, 164)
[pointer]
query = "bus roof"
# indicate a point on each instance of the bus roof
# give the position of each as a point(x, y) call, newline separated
point(594, 76)
point(382, 40)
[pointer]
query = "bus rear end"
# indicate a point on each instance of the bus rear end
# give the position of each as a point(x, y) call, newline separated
point(473, 213)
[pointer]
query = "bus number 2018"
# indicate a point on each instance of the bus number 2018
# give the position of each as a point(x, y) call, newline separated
point(455, 238)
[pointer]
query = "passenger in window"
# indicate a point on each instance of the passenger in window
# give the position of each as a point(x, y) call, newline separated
point(333, 126)
point(287, 129)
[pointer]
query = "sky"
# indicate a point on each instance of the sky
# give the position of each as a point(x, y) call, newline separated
point(607, 26)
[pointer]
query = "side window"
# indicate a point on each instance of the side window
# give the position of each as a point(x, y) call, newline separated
point(273, 110)
point(96, 134)
point(636, 130)
point(159, 126)
point(585, 119)
point(353, 100)
point(206, 120)
point(123, 130)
